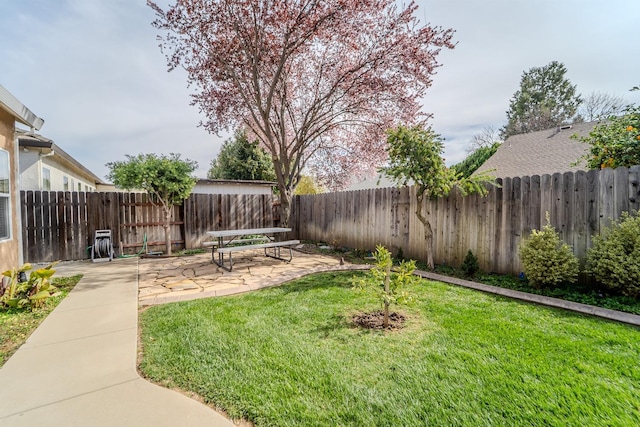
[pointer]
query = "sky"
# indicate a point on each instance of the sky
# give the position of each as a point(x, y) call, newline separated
point(92, 69)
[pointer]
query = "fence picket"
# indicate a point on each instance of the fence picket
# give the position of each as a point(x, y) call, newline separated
point(61, 225)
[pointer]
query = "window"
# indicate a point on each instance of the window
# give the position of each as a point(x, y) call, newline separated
point(79, 187)
point(5, 195)
point(86, 188)
point(46, 179)
point(65, 183)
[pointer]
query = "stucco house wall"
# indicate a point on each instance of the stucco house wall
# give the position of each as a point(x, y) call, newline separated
point(31, 174)
point(12, 111)
point(38, 155)
point(9, 248)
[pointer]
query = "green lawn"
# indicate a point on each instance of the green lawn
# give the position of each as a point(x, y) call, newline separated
point(289, 356)
point(17, 325)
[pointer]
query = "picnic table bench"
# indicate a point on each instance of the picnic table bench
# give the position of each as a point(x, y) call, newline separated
point(265, 239)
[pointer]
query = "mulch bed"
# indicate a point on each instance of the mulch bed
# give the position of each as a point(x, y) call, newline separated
point(375, 320)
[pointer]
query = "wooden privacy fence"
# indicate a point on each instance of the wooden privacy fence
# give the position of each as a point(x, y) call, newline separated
point(62, 225)
point(579, 204)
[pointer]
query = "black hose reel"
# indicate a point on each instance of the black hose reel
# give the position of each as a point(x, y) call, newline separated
point(102, 249)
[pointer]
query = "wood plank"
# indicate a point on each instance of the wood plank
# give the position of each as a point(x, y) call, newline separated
point(580, 209)
point(62, 230)
point(76, 242)
point(515, 218)
point(568, 211)
point(30, 224)
point(634, 188)
point(82, 220)
point(621, 191)
point(606, 198)
point(593, 204)
point(498, 226)
point(535, 205)
point(557, 207)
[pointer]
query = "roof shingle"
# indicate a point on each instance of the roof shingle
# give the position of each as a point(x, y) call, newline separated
point(538, 153)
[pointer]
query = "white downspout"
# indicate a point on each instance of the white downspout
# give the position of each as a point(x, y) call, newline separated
point(16, 198)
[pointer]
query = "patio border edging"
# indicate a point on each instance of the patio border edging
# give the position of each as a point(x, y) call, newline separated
point(605, 313)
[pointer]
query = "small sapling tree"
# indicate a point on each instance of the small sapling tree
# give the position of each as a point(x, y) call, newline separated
point(415, 156)
point(167, 180)
point(388, 282)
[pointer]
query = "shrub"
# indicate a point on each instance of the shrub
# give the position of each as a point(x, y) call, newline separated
point(31, 293)
point(470, 264)
point(548, 261)
point(614, 258)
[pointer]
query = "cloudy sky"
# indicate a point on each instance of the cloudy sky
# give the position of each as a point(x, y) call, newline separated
point(93, 71)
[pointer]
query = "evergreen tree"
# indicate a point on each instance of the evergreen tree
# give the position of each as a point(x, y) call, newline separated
point(242, 159)
point(546, 98)
point(474, 160)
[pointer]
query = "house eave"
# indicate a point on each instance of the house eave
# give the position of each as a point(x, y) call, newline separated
point(22, 114)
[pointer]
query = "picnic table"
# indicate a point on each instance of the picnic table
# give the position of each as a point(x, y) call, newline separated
point(229, 241)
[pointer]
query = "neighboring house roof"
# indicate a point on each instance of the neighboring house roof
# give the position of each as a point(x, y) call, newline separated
point(227, 186)
point(28, 139)
point(236, 181)
point(378, 181)
point(14, 107)
point(538, 153)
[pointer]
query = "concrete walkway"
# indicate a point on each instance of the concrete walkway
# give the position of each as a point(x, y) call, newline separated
point(79, 367)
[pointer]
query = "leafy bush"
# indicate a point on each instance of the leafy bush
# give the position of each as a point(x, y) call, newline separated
point(31, 293)
point(470, 264)
point(614, 258)
point(548, 261)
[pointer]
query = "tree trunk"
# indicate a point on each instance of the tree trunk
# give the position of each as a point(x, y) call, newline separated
point(428, 232)
point(387, 278)
point(285, 207)
point(428, 242)
point(167, 229)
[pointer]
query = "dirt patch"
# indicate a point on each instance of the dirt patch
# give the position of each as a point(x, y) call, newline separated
point(375, 320)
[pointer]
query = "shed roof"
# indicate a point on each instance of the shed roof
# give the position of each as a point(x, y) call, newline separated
point(538, 153)
point(235, 181)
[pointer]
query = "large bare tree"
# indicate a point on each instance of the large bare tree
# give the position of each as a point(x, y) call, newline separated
point(317, 81)
point(601, 105)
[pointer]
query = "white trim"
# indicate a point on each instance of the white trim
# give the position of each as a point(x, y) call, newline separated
point(17, 199)
point(9, 198)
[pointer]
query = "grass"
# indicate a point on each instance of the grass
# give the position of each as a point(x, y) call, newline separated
point(289, 356)
point(17, 325)
point(581, 293)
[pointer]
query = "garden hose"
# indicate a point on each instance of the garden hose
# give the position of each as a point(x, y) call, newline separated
point(140, 252)
point(102, 248)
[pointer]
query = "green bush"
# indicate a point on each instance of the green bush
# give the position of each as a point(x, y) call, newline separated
point(470, 264)
point(614, 258)
point(32, 293)
point(547, 261)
